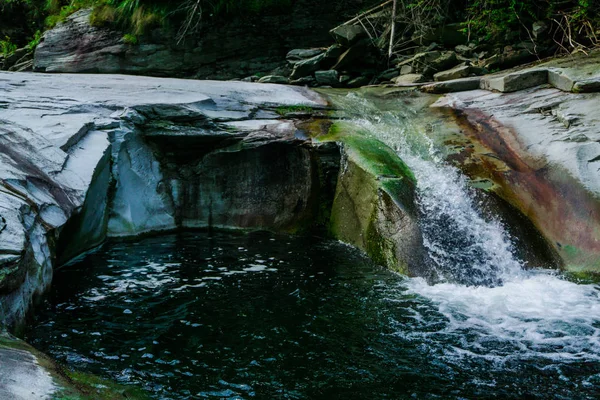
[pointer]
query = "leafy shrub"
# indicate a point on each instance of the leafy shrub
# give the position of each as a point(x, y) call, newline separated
point(7, 47)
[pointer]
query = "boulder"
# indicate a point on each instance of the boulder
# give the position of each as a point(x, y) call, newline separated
point(419, 61)
point(357, 57)
point(406, 69)
point(359, 81)
point(444, 61)
point(348, 35)
point(409, 79)
point(274, 79)
point(374, 206)
point(545, 147)
point(461, 71)
point(305, 81)
point(516, 81)
point(306, 67)
point(329, 77)
point(296, 55)
point(587, 86)
point(508, 59)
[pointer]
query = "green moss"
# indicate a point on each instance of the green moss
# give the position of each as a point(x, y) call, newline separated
point(583, 277)
point(373, 155)
point(130, 39)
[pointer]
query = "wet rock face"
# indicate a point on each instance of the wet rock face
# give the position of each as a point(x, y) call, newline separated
point(538, 149)
point(83, 158)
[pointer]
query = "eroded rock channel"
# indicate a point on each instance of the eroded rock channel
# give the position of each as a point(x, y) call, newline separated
point(92, 158)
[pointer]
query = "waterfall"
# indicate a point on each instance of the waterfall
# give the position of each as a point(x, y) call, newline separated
point(463, 245)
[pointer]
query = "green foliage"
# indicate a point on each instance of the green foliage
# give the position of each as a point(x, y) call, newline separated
point(35, 40)
point(128, 38)
point(7, 47)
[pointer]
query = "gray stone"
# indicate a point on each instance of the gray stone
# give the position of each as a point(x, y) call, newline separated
point(538, 29)
point(348, 35)
point(409, 79)
point(457, 85)
point(420, 61)
point(587, 86)
point(302, 54)
point(444, 61)
point(464, 50)
point(406, 69)
point(516, 81)
point(359, 81)
point(273, 79)
point(330, 77)
point(305, 81)
point(560, 80)
point(461, 71)
point(306, 67)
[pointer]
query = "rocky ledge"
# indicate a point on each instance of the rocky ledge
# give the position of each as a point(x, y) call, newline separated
point(87, 157)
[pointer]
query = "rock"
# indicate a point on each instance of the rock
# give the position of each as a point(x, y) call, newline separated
point(348, 35)
point(409, 79)
point(305, 81)
point(356, 58)
point(420, 61)
point(516, 81)
point(74, 155)
point(330, 77)
point(359, 81)
point(457, 85)
point(306, 67)
point(274, 79)
point(302, 54)
point(508, 60)
point(254, 45)
point(546, 147)
point(331, 56)
point(374, 207)
point(464, 50)
point(538, 29)
point(406, 69)
point(29, 374)
point(444, 61)
point(587, 86)
point(26, 65)
point(388, 74)
point(461, 71)
point(15, 57)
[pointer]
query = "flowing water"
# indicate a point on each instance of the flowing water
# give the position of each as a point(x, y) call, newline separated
point(215, 315)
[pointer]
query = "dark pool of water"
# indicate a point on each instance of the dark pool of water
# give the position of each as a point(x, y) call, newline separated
point(201, 315)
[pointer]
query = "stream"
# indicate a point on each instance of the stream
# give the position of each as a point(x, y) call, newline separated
point(222, 315)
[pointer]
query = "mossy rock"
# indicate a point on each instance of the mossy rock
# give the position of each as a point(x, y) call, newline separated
point(374, 206)
point(29, 370)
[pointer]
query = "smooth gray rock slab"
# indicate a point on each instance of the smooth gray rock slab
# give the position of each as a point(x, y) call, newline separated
point(516, 81)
